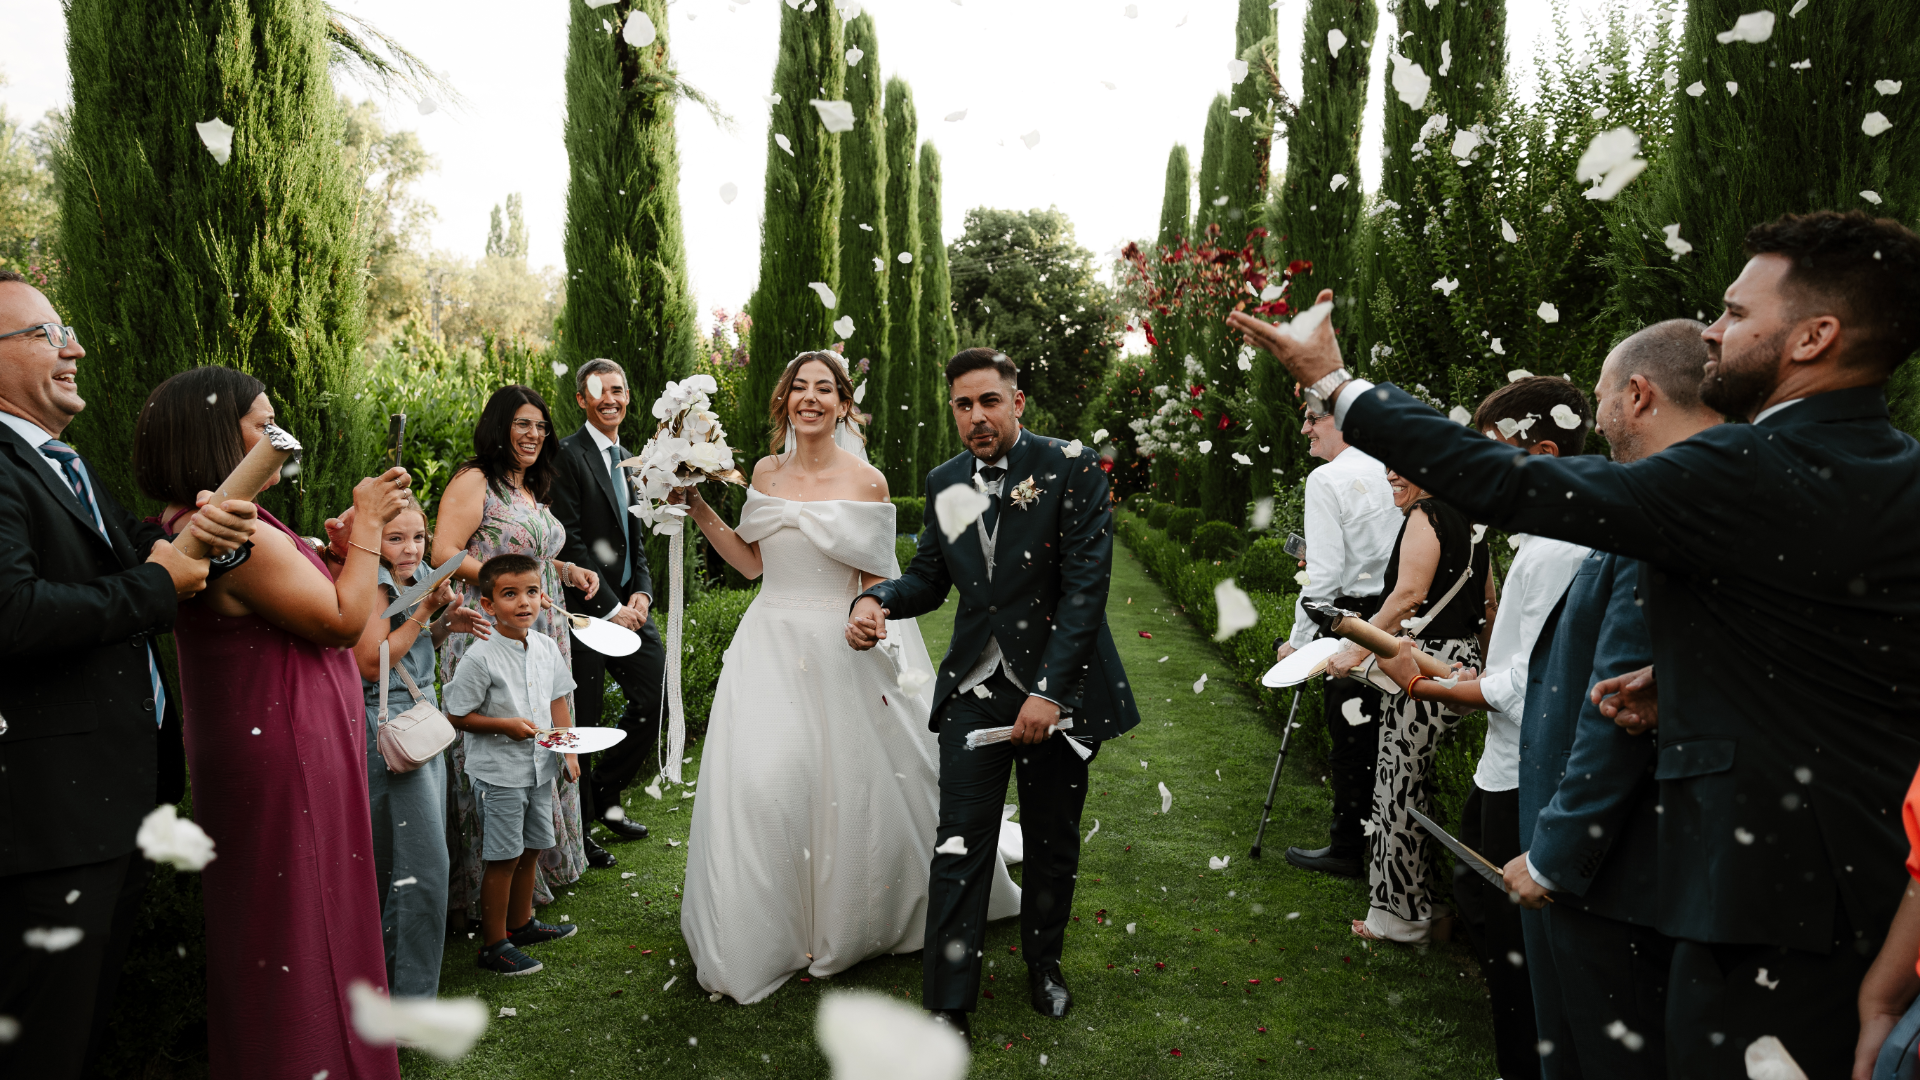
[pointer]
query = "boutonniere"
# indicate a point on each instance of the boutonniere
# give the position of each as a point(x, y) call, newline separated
point(1024, 494)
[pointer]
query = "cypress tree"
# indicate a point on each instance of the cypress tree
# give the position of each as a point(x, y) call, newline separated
point(1213, 200)
point(1461, 46)
point(939, 439)
point(800, 227)
point(1171, 329)
point(1790, 140)
point(895, 430)
point(627, 293)
point(1176, 210)
point(175, 260)
point(865, 228)
point(1317, 213)
point(1247, 149)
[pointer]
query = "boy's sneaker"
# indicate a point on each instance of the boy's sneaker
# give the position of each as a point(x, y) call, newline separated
point(502, 958)
point(539, 933)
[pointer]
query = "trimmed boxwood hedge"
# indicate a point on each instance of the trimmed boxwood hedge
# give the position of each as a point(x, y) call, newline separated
point(1157, 515)
point(912, 511)
point(1182, 522)
point(1217, 540)
point(1266, 565)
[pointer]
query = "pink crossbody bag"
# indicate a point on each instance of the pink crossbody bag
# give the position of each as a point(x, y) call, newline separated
point(416, 736)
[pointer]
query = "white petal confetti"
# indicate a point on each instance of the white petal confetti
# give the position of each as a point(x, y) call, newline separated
point(53, 938)
point(1031, 138)
point(1447, 285)
point(1131, 11)
point(843, 326)
point(1410, 82)
point(217, 134)
point(1215, 862)
point(166, 837)
point(825, 293)
point(1335, 42)
point(1886, 86)
point(771, 99)
point(1696, 89)
point(1446, 56)
point(1733, 88)
point(1099, 436)
point(1874, 123)
point(1798, 6)
point(782, 142)
point(1460, 416)
point(1565, 416)
point(594, 386)
point(1200, 684)
point(428, 106)
point(1760, 979)
point(1674, 244)
point(1871, 196)
point(1262, 513)
point(958, 507)
point(1507, 233)
point(729, 191)
point(1352, 710)
point(956, 117)
point(1206, 445)
point(1754, 27)
point(1498, 349)
point(854, 56)
point(866, 1036)
point(955, 845)
point(1610, 160)
point(1235, 609)
point(1548, 313)
point(1465, 143)
point(904, 258)
point(1767, 1059)
point(836, 115)
point(505, 1011)
point(1522, 373)
point(879, 264)
point(1339, 181)
point(1305, 323)
point(1130, 927)
point(639, 31)
point(1236, 71)
point(1073, 449)
point(445, 1028)
point(1166, 798)
point(1300, 578)
point(1242, 458)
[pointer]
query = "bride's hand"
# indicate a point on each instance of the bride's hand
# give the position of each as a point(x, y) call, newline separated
point(867, 626)
point(686, 496)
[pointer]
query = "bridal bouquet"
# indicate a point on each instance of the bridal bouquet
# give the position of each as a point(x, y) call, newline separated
point(689, 447)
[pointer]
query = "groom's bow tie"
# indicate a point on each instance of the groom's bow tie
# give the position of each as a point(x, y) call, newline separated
point(991, 474)
point(989, 478)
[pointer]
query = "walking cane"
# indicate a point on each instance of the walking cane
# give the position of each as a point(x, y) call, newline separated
point(1285, 736)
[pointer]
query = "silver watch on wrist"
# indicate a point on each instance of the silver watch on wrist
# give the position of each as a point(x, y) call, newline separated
point(1320, 393)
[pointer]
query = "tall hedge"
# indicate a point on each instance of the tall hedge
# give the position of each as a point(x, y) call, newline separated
point(865, 228)
point(1172, 329)
point(1211, 206)
point(1247, 149)
point(939, 439)
point(175, 260)
point(800, 227)
point(627, 292)
point(1461, 46)
point(895, 427)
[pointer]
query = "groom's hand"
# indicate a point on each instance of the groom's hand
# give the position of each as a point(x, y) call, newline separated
point(1036, 721)
point(867, 625)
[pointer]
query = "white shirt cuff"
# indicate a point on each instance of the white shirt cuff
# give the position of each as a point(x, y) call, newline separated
point(1346, 399)
point(1539, 878)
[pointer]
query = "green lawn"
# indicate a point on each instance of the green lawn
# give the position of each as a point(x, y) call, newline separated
point(1176, 997)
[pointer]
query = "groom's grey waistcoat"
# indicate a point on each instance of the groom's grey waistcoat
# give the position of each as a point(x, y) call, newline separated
point(1046, 601)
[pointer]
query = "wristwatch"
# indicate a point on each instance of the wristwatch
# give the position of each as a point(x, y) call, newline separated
point(1319, 393)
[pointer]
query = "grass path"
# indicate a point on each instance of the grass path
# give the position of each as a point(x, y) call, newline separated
point(1219, 977)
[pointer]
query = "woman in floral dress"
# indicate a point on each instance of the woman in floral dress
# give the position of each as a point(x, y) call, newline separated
point(494, 505)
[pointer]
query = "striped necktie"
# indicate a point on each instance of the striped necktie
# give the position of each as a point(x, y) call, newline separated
point(69, 461)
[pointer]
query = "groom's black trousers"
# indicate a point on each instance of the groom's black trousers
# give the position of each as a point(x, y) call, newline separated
point(973, 788)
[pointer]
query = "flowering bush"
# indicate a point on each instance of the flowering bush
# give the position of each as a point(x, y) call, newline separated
point(689, 448)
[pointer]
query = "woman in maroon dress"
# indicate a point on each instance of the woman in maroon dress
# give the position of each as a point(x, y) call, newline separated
point(276, 748)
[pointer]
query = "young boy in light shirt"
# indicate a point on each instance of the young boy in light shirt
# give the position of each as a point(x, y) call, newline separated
point(502, 682)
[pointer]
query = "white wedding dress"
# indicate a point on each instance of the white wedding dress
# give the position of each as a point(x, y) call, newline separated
point(819, 789)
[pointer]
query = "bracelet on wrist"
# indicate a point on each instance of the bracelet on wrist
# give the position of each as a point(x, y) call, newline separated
point(1415, 681)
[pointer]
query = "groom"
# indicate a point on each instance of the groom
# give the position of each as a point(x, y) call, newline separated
point(1030, 649)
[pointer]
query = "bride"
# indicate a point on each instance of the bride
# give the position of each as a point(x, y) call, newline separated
point(819, 788)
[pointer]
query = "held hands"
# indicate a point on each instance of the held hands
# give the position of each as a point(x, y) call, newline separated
point(1037, 717)
point(1629, 700)
point(1308, 361)
point(189, 575)
point(868, 627)
point(632, 614)
point(225, 527)
point(1520, 884)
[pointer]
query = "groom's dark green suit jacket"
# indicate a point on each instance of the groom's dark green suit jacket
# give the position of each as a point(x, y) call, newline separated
point(1047, 601)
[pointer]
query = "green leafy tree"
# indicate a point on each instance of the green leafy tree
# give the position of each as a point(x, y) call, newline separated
point(390, 163)
point(800, 228)
point(865, 225)
point(1023, 285)
point(507, 233)
point(896, 382)
point(29, 207)
point(627, 297)
point(937, 438)
point(175, 259)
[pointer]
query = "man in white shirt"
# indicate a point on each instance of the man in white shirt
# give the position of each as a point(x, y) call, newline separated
point(1351, 526)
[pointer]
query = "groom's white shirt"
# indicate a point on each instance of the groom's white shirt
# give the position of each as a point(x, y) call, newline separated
point(990, 657)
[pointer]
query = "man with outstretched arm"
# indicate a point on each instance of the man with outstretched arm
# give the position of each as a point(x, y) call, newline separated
point(1781, 587)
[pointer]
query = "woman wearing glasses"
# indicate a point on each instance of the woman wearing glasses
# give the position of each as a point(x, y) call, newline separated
point(496, 504)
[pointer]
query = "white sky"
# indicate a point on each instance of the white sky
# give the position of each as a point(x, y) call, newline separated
point(1015, 65)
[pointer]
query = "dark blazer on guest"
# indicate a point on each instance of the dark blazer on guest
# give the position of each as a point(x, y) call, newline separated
point(77, 761)
point(588, 508)
point(1587, 793)
point(1047, 602)
point(1782, 593)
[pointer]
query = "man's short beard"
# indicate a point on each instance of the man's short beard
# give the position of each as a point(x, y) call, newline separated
point(1738, 388)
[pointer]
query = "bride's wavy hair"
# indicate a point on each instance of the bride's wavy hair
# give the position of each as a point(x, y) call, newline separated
point(777, 408)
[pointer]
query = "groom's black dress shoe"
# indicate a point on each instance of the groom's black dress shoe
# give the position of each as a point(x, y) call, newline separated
point(956, 1019)
point(598, 857)
point(1050, 994)
point(1324, 861)
point(623, 830)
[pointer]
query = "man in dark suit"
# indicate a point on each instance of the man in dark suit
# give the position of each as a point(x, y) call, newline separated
point(1781, 586)
point(1588, 823)
point(1030, 649)
point(83, 590)
point(590, 497)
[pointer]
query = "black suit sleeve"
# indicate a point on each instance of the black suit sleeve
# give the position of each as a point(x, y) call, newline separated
point(1086, 569)
point(926, 582)
point(566, 498)
point(1670, 509)
point(40, 617)
point(642, 579)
